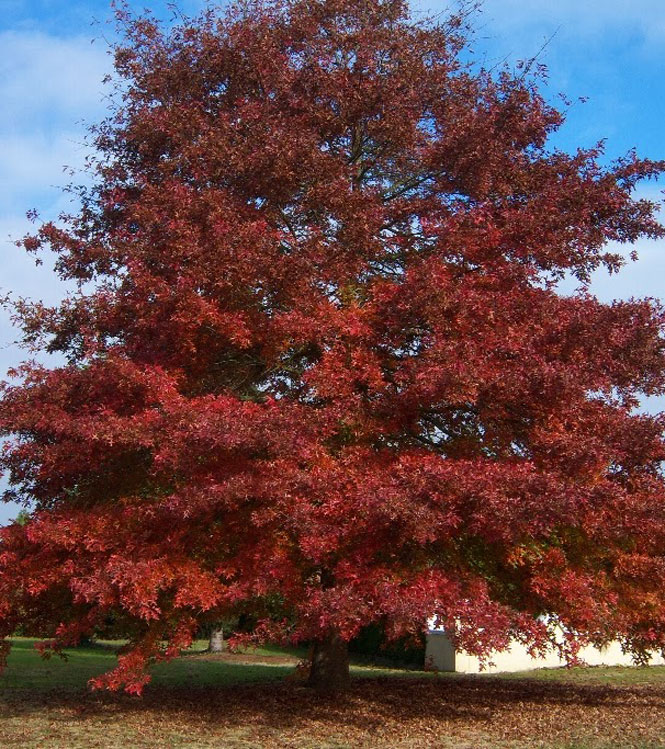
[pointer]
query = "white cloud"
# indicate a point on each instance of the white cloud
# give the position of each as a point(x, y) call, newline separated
point(641, 278)
point(579, 17)
point(49, 77)
point(47, 85)
point(19, 273)
point(32, 167)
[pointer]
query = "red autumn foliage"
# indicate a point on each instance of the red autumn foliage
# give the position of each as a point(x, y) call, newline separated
point(317, 367)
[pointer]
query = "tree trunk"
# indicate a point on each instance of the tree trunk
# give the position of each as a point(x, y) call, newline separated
point(216, 641)
point(329, 671)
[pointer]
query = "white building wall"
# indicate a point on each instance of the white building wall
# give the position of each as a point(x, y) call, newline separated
point(441, 655)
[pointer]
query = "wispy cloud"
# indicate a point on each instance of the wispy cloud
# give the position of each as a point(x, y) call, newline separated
point(42, 75)
point(644, 19)
point(48, 86)
point(32, 168)
point(50, 83)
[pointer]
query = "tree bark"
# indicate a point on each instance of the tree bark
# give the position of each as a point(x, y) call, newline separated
point(329, 670)
point(216, 644)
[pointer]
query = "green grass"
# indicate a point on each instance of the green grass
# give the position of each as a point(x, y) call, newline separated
point(594, 675)
point(26, 670)
point(202, 701)
point(270, 651)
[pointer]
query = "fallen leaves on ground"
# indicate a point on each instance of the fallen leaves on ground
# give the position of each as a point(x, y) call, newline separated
point(444, 712)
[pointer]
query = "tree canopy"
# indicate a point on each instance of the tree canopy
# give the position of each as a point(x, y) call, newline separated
point(317, 370)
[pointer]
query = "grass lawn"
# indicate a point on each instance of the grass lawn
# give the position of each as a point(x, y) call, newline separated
point(248, 700)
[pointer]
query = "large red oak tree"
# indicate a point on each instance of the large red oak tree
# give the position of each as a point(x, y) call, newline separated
point(317, 368)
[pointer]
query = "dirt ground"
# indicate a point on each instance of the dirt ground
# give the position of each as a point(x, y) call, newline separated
point(248, 658)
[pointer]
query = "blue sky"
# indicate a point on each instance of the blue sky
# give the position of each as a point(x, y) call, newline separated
point(610, 51)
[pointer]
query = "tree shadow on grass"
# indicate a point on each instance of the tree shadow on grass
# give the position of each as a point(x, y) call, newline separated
point(370, 704)
point(251, 701)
